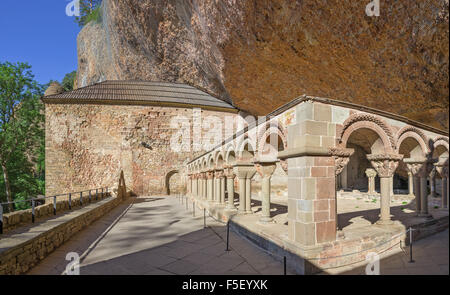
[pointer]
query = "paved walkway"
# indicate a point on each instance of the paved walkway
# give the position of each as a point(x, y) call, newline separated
point(430, 255)
point(156, 235)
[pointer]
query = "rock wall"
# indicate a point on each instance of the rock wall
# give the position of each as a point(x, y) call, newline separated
point(88, 145)
point(262, 54)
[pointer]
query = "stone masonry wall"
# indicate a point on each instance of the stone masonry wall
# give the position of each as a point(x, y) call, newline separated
point(23, 217)
point(17, 256)
point(87, 144)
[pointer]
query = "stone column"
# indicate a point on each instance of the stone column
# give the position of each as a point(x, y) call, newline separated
point(371, 174)
point(209, 185)
point(414, 165)
point(265, 170)
point(222, 188)
point(248, 189)
point(341, 158)
point(442, 169)
point(410, 184)
point(385, 165)
point(205, 185)
point(391, 185)
point(200, 185)
point(216, 198)
point(423, 174)
point(230, 188)
point(242, 175)
point(432, 176)
point(194, 185)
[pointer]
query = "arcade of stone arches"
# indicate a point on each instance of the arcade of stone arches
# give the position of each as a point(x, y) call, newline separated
point(365, 141)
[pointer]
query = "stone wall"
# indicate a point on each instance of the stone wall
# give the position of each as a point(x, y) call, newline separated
point(87, 144)
point(23, 217)
point(18, 255)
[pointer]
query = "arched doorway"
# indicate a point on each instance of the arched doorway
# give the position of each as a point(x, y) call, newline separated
point(173, 182)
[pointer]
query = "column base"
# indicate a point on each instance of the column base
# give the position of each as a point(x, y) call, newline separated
point(425, 215)
point(384, 222)
point(230, 208)
point(266, 220)
point(248, 212)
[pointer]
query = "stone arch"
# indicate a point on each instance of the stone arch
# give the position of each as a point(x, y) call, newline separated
point(219, 160)
point(230, 155)
point(245, 149)
point(210, 162)
point(268, 148)
point(440, 147)
point(168, 177)
point(409, 132)
point(370, 122)
point(270, 128)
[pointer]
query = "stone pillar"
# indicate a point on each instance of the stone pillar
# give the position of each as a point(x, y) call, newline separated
point(205, 185)
point(209, 186)
point(371, 174)
point(200, 185)
point(410, 184)
point(216, 198)
point(230, 188)
point(242, 175)
point(417, 167)
point(248, 189)
point(244, 171)
point(385, 165)
point(341, 158)
point(222, 188)
point(432, 176)
point(442, 169)
point(344, 178)
point(391, 185)
point(424, 172)
point(194, 186)
point(265, 170)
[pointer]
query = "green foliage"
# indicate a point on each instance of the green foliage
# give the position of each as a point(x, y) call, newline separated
point(22, 147)
point(68, 81)
point(90, 10)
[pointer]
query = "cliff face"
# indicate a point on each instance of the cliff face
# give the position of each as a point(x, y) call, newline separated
point(261, 54)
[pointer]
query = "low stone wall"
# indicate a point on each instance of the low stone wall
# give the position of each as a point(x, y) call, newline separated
point(20, 252)
point(20, 218)
point(327, 257)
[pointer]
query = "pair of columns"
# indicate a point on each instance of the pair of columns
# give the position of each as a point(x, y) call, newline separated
point(442, 169)
point(214, 182)
point(420, 169)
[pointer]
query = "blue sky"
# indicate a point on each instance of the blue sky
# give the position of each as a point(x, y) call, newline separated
point(39, 32)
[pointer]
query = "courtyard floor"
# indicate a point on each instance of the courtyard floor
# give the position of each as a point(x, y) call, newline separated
point(157, 235)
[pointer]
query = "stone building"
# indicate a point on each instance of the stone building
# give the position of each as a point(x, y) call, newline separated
point(94, 132)
point(292, 161)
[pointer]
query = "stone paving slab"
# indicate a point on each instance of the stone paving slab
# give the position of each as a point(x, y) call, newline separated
point(158, 236)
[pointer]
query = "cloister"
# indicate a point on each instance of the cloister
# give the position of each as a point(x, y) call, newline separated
point(315, 141)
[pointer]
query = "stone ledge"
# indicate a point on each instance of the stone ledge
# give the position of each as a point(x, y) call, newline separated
point(19, 252)
point(310, 260)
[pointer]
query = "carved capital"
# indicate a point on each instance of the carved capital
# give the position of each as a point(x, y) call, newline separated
point(370, 173)
point(341, 158)
point(384, 164)
point(265, 169)
point(442, 169)
point(229, 173)
point(284, 165)
point(209, 174)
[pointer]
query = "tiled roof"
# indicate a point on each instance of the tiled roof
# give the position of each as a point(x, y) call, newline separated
point(140, 91)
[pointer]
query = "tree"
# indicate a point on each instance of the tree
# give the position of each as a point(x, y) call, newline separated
point(21, 125)
point(69, 80)
point(89, 11)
